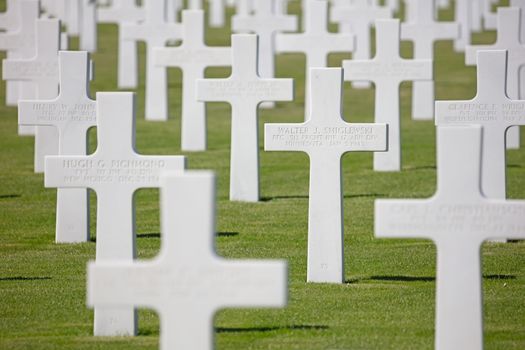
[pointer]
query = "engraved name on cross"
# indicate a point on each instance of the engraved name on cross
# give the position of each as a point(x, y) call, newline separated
point(72, 113)
point(115, 171)
point(244, 90)
point(388, 70)
point(325, 137)
point(458, 218)
point(187, 283)
point(193, 56)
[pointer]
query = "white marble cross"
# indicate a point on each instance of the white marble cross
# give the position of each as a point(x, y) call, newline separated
point(42, 70)
point(508, 39)
point(187, 283)
point(88, 26)
point(325, 137)
point(19, 42)
point(265, 23)
point(316, 42)
point(156, 32)
point(463, 16)
point(492, 109)
point(458, 218)
point(120, 12)
point(72, 113)
point(115, 171)
point(424, 30)
point(358, 17)
point(244, 90)
point(193, 56)
point(387, 70)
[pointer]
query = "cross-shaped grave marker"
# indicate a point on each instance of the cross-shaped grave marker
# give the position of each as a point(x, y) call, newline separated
point(325, 137)
point(120, 12)
point(193, 56)
point(424, 31)
point(72, 113)
point(115, 171)
point(492, 109)
point(508, 39)
point(358, 17)
point(42, 70)
point(244, 90)
point(265, 22)
point(316, 42)
point(187, 283)
point(458, 218)
point(19, 42)
point(156, 32)
point(388, 70)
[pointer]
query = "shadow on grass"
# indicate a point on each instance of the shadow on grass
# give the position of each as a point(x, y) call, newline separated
point(157, 235)
point(8, 196)
point(363, 195)
point(423, 167)
point(22, 278)
point(499, 277)
point(514, 166)
point(403, 278)
point(227, 234)
point(270, 329)
point(418, 278)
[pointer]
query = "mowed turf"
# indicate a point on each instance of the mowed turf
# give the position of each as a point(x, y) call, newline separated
point(387, 301)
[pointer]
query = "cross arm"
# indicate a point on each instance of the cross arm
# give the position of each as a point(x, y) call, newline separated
point(53, 113)
point(120, 283)
point(215, 90)
point(206, 57)
point(73, 172)
point(15, 40)
point(464, 112)
point(250, 283)
point(114, 15)
point(28, 70)
point(403, 219)
point(434, 31)
point(91, 171)
point(290, 137)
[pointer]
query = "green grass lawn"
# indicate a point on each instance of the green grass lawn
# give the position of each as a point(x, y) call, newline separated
point(388, 299)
